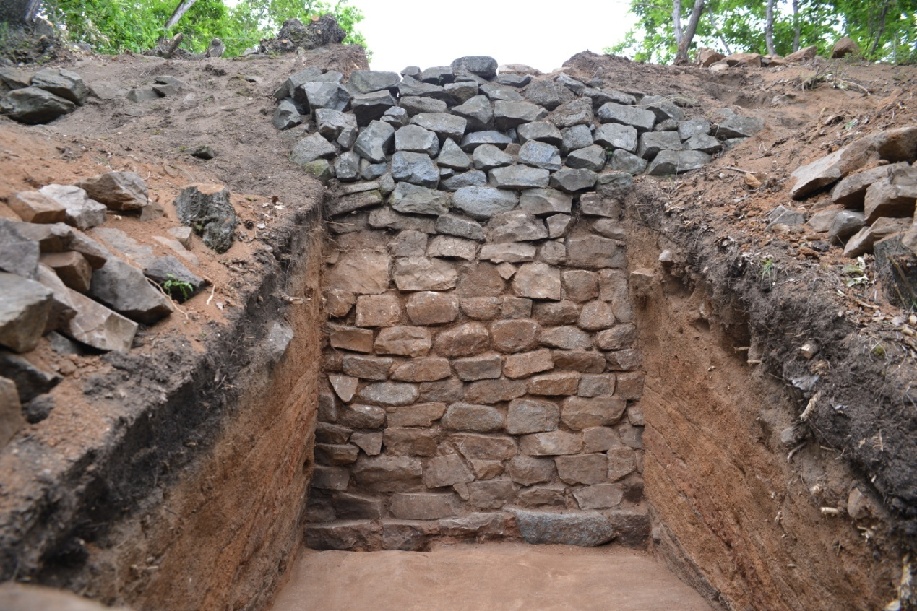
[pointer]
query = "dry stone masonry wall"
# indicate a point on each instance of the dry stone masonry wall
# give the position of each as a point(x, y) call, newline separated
point(482, 377)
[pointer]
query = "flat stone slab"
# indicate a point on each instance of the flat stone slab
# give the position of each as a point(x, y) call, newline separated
point(584, 529)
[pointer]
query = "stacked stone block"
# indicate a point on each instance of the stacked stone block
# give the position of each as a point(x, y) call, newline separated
point(482, 374)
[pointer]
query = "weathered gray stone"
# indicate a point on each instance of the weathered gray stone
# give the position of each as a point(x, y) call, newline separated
point(464, 228)
point(418, 198)
point(408, 243)
point(540, 131)
point(81, 211)
point(739, 127)
point(562, 313)
point(480, 280)
point(553, 443)
point(350, 338)
point(863, 241)
point(24, 312)
point(432, 308)
point(452, 248)
point(484, 447)
point(516, 307)
point(209, 212)
point(322, 95)
point(451, 156)
point(594, 385)
point(576, 112)
point(389, 393)
point(367, 367)
point(34, 207)
point(409, 442)
point(386, 218)
point(545, 201)
point(347, 169)
point(547, 93)
point(419, 414)
point(576, 137)
point(411, 87)
point(617, 136)
point(388, 473)
point(600, 439)
point(478, 65)
point(375, 141)
point(488, 156)
point(515, 226)
point(531, 416)
point(416, 139)
point(618, 337)
point(124, 191)
point(125, 289)
point(566, 338)
point(600, 496)
point(704, 144)
point(537, 281)
point(677, 162)
point(527, 470)
point(592, 252)
point(509, 114)
point(377, 310)
point(350, 536)
point(422, 369)
point(464, 340)
point(366, 81)
point(424, 274)
point(423, 505)
point(395, 116)
point(369, 442)
point(62, 83)
point(437, 75)
point(579, 360)
point(461, 91)
point(555, 384)
point(403, 341)
point(540, 155)
point(478, 111)
point(330, 478)
point(573, 180)
point(527, 363)
point(624, 161)
point(845, 224)
point(495, 391)
point(639, 118)
point(483, 202)
point(359, 416)
point(553, 252)
point(662, 107)
point(415, 105)
point(518, 177)
point(893, 196)
point(491, 494)
point(482, 367)
point(622, 461)
point(349, 506)
point(497, 91)
point(333, 123)
point(361, 272)
point(596, 316)
point(514, 252)
point(591, 158)
point(653, 142)
point(473, 418)
point(444, 124)
point(336, 455)
point(368, 107)
point(580, 413)
point(475, 139)
point(32, 105)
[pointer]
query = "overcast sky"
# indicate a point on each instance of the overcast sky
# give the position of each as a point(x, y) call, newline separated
point(543, 35)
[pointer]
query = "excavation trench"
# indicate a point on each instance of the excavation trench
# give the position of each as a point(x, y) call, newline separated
point(568, 368)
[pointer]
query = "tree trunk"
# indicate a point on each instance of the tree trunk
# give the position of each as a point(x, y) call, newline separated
point(769, 27)
point(682, 56)
point(880, 29)
point(180, 10)
point(797, 26)
point(676, 20)
point(719, 31)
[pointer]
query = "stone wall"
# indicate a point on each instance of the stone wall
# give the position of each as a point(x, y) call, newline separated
point(482, 377)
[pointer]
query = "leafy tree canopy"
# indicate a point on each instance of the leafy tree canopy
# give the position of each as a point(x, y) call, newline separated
point(885, 30)
point(115, 26)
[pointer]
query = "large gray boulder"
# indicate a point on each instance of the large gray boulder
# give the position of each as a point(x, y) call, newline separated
point(416, 139)
point(415, 168)
point(368, 107)
point(82, 211)
point(483, 202)
point(375, 141)
point(677, 162)
point(540, 155)
point(32, 105)
point(519, 177)
point(367, 81)
point(573, 180)
point(639, 118)
point(444, 124)
point(126, 290)
point(476, 139)
point(323, 95)
point(62, 83)
point(541, 131)
point(124, 191)
point(478, 65)
point(310, 148)
point(508, 114)
point(617, 136)
point(479, 112)
point(210, 214)
point(413, 199)
point(18, 251)
point(452, 156)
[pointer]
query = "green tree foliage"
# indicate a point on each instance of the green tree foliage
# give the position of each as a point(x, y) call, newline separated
point(885, 30)
point(115, 26)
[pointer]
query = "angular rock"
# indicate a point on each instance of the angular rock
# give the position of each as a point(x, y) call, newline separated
point(484, 367)
point(540, 131)
point(509, 114)
point(496, 91)
point(527, 470)
point(446, 470)
point(408, 442)
point(554, 384)
point(596, 316)
point(32, 106)
point(580, 413)
point(624, 161)
point(600, 496)
point(82, 212)
point(377, 310)
point(653, 142)
point(577, 112)
point(423, 505)
point(452, 248)
point(451, 156)
point(20, 247)
point(540, 155)
point(491, 494)
point(24, 311)
point(335, 455)
point(422, 369)
point(677, 162)
point(419, 414)
point(566, 338)
point(478, 111)
point(97, 326)
point(361, 272)
point(375, 141)
point(616, 136)
point(592, 252)
point(594, 385)
point(403, 341)
point(209, 212)
point(71, 267)
point(639, 118)
point(494, 391)
point(527, 363)
point(443, 124)
point(576, 137)
point(573, 180)
point(662, 107)
point(584, 469)
point(389, 393)
point(484, 447)
point(416, 139)
point(617, 338)
point(478, 65)
point(579, 360)
point(366, 81)
point(125, 191)
point(547, 93)
point(515, 226)
point(388, 473)
point(515, 335)
point(34, 207)
point(432, 308)
point(461, 92)
point(350, 338)
point(553, 443)
point(704, 144)
point(286, 115)
point(519, 177)
point(124, 288)
point(481, 203)
point(591, 158)
point(465, 340)
point(416, 168)
point(488, 156)
point(367, 367)
point(322, 95)
point(424, 274)
point(894, 196)
point(537, 281)
point(531, 416)
point(473, 418)
point(514, 252)
point(475, 139)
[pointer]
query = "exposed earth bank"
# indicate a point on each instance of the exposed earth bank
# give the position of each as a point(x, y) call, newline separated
point(755, 505)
